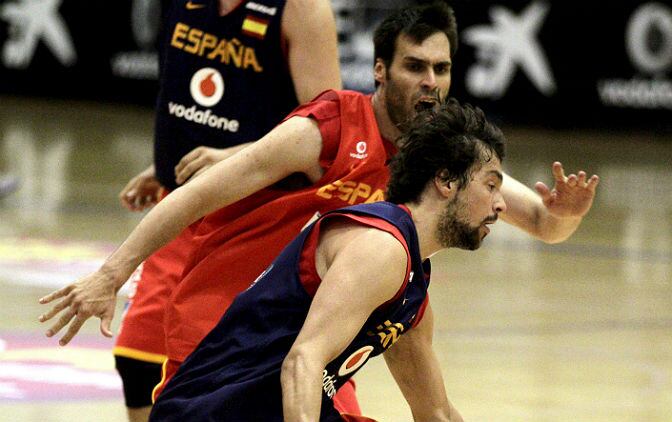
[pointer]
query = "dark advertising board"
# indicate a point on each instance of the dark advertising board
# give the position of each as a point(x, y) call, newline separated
point(562, 63)
point(90, 49)
point(568, 64)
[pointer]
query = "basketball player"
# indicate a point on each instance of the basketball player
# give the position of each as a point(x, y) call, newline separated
point(230, 71)
point(299, 332)
point(339, 146)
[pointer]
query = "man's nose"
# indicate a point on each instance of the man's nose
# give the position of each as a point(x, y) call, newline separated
point(429, 81)
point(500, 204)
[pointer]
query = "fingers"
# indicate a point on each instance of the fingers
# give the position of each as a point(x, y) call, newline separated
point(142, 202)
point(56, 309)
point(545, 192)
point(72, 330)
point(62, 322)
point(592, 183)
point(188, 171)
point(558, 172)
point(191, 156)
point(55, 295)
point(128, 193)
point(579, 180)
point(105, 323)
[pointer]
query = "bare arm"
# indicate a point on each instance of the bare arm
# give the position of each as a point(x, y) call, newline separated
point(336, 315)
point(416, 370)
point(554, 214)
point(293, 146)
point(310, 30)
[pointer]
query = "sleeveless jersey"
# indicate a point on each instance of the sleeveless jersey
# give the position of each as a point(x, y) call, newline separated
point(224, 79)
point(233, 245)
point(234, 374)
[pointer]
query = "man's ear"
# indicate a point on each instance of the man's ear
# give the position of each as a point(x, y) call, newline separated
point(379, 71)
point(446, 188)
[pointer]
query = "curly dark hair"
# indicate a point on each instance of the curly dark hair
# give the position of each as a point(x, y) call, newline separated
point(448, 142)
point(419, 23)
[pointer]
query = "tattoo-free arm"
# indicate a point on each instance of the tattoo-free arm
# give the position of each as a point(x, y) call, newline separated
point(416, 370)
point(310, 30)
point(293, 146)
point(336, 314)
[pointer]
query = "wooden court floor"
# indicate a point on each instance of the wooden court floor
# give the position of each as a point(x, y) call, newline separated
point(580, 331)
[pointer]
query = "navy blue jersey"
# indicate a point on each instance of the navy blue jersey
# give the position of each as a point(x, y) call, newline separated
point(224, 80)
point(234, 374)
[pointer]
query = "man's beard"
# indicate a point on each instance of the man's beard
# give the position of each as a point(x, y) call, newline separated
point(454, 232)
point(400, 105)
point(396, 104)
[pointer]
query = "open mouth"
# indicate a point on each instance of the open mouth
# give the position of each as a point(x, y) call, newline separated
point(425, 103)
point(487, 223)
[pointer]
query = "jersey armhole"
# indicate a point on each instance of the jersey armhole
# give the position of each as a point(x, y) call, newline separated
point(308, 275)
point(325, 110)
point(421, 311)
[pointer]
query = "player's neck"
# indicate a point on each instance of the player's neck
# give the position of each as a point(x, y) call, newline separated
point(426, 219)
point(388, 130)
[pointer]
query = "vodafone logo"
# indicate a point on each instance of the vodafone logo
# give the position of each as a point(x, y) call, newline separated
point(361, 147)
point(355, 361)
point(207, 87)
point(361, 151)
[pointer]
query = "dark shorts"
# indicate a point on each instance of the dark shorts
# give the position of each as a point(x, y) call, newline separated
point(139, 379)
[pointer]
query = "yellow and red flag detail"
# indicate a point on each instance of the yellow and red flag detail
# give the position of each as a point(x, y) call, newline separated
point(255, 27)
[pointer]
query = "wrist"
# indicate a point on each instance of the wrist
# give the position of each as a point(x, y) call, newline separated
point(114, 275)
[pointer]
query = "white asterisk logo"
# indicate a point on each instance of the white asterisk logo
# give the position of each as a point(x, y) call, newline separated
point(510, 42)
point(29, 22)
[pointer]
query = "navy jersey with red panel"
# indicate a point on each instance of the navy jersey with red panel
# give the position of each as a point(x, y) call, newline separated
point(234, 373)
point(224, 80)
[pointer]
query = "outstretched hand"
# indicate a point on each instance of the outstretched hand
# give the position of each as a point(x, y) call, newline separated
point(572, 196)
point(93, 295)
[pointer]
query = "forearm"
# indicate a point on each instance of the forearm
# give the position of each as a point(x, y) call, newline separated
point(551, 229)
point(301, 388)
point(157, 228)
point(427, 399)
point(526, 210)
point(416, 370)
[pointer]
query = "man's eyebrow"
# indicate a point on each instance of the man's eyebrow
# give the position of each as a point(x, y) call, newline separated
point(426, 62)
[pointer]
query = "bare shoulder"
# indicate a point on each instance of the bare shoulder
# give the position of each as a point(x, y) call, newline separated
point(361, 258)
point(295, 144)
point(365, 244)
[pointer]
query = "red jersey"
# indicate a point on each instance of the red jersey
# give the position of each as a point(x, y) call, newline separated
point(235, 244)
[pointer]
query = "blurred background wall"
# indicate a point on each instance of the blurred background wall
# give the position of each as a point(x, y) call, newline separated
point(564, 63)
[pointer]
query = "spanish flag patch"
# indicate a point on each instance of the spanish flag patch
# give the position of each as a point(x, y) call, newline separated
point(255, 27)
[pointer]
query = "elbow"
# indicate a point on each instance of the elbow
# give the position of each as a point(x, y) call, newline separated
point(294, 366)
point(289, 368)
